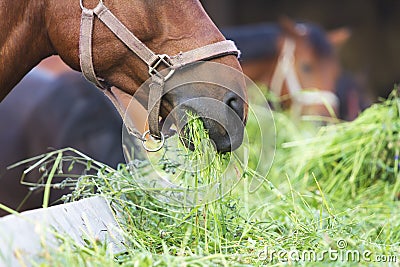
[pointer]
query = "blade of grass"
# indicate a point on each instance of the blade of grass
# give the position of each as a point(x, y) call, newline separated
point(46, 195)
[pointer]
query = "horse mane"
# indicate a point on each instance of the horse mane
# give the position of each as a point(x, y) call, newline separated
point(255, 41)
point(260, 40)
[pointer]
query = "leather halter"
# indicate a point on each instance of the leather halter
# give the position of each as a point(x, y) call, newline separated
point(285, 71)
point(152, 60)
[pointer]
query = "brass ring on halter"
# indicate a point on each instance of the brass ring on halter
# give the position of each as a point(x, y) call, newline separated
point(161, 139)
point(82, 7)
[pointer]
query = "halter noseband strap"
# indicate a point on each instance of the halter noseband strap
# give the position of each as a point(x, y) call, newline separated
point(152, 60)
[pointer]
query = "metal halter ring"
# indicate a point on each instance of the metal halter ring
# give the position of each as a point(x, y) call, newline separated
point(144, 140)
point(83, 7)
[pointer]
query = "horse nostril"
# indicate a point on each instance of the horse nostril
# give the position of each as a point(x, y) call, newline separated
point(234, 102)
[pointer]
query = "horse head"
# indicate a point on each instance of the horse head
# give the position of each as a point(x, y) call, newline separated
point(290, 58)
point(166, 27)
point(311, 66)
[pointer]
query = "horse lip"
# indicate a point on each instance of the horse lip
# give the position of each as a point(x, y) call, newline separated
point(231, 139)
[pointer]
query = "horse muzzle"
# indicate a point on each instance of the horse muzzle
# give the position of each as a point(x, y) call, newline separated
point(223, 118)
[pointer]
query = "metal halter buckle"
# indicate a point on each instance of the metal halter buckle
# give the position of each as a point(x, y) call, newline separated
point(161, 59)
point(160, 139)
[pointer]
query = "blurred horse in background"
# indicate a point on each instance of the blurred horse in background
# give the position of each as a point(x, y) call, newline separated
point(298, 62)
point(53, 107)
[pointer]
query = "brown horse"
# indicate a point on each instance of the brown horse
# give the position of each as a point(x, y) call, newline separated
point(33, 30)
point(56, 116)
point(290, 58)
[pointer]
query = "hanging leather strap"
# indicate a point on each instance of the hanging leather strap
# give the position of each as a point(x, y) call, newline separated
point(153, 105)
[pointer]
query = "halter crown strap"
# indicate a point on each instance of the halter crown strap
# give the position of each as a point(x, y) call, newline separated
point(122, 32)
point(151, 59)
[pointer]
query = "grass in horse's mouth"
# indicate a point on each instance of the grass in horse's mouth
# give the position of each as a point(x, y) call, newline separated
point(194, 135)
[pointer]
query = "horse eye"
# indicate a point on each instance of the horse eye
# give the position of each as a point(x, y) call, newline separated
point(306, 68)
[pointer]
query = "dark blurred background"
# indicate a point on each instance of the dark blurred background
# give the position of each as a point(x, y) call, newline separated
point(372, 51)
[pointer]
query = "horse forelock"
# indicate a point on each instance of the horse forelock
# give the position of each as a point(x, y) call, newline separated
point(319, 40)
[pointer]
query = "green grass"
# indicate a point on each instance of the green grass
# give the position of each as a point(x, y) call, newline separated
point(329, 189)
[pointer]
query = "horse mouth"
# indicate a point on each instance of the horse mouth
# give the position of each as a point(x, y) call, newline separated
point(223, 145)
point(220, 138)
point(225, 133)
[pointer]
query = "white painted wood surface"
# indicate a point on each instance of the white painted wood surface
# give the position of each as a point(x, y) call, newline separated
point(24, 236)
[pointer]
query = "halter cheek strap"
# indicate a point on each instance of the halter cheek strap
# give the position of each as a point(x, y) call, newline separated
point(152, 60)
point(85, 47)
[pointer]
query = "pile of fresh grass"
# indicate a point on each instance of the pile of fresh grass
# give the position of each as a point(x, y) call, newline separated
point(327, 194)
point(186, 177)
point(350, 157)
point(159, 232)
